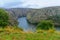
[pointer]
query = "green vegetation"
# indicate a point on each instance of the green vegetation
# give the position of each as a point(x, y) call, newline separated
point(45, 25)
point(3, 18)
point(15, 33)
point(10, 33)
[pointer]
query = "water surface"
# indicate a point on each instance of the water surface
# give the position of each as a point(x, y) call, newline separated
point(23, 23)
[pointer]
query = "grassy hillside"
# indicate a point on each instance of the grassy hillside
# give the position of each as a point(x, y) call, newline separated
point(11, 33)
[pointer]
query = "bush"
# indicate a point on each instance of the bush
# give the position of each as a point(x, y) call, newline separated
point(3, 18)
point(45, 25)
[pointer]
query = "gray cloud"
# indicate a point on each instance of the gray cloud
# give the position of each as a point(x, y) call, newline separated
point(29, 3)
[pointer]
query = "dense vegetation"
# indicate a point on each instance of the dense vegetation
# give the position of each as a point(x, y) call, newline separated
point(45, 25)
point(3, 18)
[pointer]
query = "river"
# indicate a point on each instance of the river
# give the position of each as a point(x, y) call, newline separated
point(23, 23)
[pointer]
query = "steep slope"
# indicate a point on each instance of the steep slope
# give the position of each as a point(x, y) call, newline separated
point(48, 13)
point(35, 15)
point(15, 13)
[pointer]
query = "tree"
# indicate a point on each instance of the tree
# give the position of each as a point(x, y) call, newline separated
point(3, 18)
point(45, 25)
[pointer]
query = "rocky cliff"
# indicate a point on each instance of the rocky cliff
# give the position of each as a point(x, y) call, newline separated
point(48, 13)
point(15, 13)
point(35, 15)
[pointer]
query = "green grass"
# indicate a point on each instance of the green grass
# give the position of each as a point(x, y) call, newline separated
point(29, 36)
point(20, 35)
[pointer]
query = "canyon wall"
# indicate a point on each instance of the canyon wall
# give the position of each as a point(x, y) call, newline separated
point(35, 15)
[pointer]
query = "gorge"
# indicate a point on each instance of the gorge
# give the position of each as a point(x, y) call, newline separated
point(35, 15)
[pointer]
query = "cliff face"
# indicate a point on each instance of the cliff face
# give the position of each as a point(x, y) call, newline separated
point(15, 13)
point(35, 15)
point(18, 12)
point(49, 13)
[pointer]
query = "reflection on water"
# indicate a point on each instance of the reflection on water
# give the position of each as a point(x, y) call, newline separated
point(25, 25)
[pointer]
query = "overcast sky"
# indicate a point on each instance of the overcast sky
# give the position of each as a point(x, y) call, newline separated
point(28, 3)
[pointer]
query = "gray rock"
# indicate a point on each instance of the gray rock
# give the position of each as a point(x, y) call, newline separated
point(48, 13)
point(35, 15)
point(15, 13)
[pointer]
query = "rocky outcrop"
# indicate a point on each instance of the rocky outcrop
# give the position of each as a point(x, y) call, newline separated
point(18, 12)
point(48, 13)
point(15, 13)
point(35, 15)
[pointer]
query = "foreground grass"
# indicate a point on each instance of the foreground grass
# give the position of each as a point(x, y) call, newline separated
point(10, 33)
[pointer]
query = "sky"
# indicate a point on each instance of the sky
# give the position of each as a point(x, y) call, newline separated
point(28, 3)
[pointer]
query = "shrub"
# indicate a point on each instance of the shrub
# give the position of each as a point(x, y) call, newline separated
point(45, 25)
point(3, 18)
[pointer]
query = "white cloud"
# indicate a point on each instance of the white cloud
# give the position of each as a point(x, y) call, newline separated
point(30, 3)
point(40, 3)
